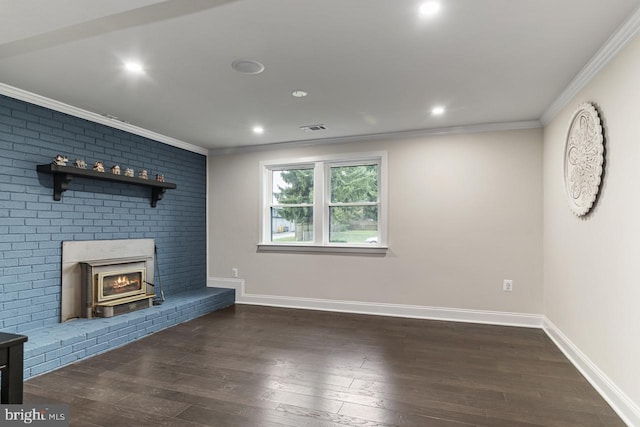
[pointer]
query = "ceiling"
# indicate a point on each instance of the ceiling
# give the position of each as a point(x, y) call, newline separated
point(369, 66)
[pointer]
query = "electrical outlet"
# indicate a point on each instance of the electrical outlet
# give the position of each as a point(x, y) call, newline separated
point(507, 285)
point(234, 270)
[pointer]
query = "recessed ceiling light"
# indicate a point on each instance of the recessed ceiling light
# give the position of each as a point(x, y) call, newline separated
point(247, 66)
point(429, 8)
point(437, 111)
point(134, 67)
point(299, 93)
point(259, 130)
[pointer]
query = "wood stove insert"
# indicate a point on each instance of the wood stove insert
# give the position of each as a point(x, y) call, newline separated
point(114, 286)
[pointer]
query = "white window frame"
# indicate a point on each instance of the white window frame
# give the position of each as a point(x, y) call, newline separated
point(321, 203)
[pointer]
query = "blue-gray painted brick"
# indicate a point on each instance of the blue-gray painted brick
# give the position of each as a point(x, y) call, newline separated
point(72, 340)
point(23, 246)
point(32, 361)
point(152, 315)
point(153, 328)
point(70, 358)
point(84, 344)
point(161, 320)
point(98, 332)
point(136, 335)
point(56, 354)
point(126, 330)
point(29, 326)
point(144, 325)
point(31, 350)
point(12, 321)
point(4, 263)
point(98, 348)
point(45, 367)
point(135, 321)
point(79, 138)
point(116, 342)
point(16, 304)
point(107, 337)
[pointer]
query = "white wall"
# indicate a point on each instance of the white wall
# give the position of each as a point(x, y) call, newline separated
point(591, 265)
point(465, 212)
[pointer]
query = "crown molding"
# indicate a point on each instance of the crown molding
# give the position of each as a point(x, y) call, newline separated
point(618, 40)
point(61, 107)
point(487, 127)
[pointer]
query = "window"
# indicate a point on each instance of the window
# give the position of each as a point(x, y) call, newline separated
point(291, 207)
point(353, 203)
point(335, 202)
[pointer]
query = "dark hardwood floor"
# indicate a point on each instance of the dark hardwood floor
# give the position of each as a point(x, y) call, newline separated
point(260, 366)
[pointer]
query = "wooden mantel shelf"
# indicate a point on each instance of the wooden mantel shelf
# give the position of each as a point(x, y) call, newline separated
point(62, 176)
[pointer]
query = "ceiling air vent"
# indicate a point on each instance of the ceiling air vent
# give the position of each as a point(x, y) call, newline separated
point(313, 128)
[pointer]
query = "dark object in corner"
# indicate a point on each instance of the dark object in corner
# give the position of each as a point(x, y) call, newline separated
point(11, 363)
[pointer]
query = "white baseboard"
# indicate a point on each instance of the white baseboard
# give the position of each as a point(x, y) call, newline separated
point(379, 309)
point(219, 282)
point(624, 407)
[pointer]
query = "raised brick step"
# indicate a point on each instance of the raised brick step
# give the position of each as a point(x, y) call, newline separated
point(58, 345)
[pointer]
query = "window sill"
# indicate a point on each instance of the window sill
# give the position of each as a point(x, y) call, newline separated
point(336, 249)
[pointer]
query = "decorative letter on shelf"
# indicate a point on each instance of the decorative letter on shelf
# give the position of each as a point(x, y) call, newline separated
point(62, 176)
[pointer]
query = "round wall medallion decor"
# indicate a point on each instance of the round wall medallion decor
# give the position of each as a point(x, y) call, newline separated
point(583, 158)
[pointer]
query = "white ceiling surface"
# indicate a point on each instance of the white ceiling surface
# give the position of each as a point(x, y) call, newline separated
point(369, 66)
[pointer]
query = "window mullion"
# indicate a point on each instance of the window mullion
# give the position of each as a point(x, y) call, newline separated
point(347, 204)
point(268, 198)
point(318, 203)
point(292, 205)
point(327, 202)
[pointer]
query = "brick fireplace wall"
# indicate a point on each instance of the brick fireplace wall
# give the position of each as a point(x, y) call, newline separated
point(33, 225)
